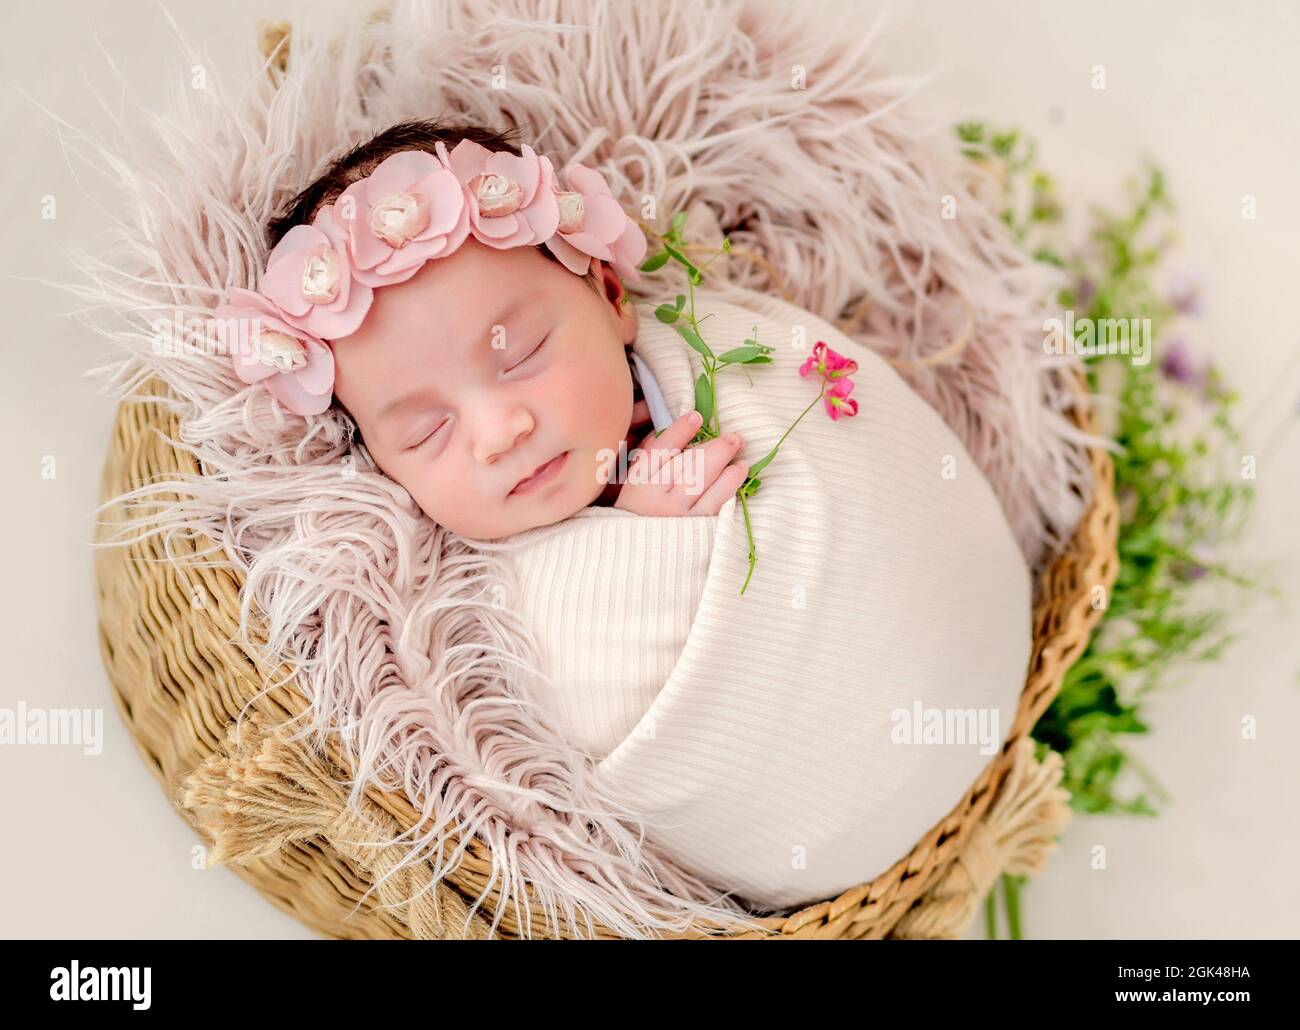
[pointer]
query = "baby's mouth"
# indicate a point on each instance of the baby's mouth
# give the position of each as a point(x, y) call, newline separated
point(540, 476)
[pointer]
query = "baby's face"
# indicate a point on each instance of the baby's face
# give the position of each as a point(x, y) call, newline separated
point(481, 368)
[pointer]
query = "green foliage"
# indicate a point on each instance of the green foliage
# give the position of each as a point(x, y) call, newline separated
point(682, 317)
point(1177, 478)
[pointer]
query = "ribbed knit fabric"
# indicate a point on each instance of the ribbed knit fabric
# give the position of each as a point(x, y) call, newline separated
point(757, 736)
point(611, 598)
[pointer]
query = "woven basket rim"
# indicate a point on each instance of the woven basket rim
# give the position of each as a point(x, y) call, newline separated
point(1063, 620)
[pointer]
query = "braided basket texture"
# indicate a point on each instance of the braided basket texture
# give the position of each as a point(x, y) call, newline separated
point(198, 707)
point(276, 813)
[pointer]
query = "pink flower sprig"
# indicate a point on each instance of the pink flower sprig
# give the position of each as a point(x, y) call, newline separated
point(834, 371)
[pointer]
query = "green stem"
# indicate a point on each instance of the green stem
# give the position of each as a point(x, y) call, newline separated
point(1011, 890)
point(1145, 775)
point(991, 915)
point(710, 367)
point(753, 554)
point(800, 418)
point(749, 530)
point(772, 453)
point(705, 267)
point(713, 397)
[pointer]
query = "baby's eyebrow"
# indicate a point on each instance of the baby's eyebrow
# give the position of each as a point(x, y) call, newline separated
point(399, 404)
point(500, 317)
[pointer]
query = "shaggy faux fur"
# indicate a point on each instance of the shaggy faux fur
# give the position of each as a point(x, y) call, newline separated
point(785, 135)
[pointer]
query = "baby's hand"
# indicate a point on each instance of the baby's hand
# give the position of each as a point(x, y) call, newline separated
point(669, 476)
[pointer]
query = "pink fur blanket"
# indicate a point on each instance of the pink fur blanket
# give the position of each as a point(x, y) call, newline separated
point(786, 136)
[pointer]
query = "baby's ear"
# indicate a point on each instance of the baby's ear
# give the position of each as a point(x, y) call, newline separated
point(607, 282)
point(611, 288)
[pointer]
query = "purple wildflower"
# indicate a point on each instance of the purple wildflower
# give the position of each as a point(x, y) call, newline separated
point(1188, 571)
point(1084, 290)
point(1185, 294)
point(1177, 364)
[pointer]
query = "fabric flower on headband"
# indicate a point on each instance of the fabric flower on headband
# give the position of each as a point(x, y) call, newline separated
point(512, 198)
point(297, 368)
point(409, 209)
point(594, 225)
point(413, 207)
point(309, 278)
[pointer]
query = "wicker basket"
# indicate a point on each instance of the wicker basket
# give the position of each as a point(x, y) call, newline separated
point(166, 631)
point(168, 619)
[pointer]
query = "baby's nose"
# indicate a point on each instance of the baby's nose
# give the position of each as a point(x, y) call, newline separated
point(499, 434)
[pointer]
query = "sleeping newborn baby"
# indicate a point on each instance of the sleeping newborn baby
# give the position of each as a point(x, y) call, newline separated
point(467, 309)
point(507, 414)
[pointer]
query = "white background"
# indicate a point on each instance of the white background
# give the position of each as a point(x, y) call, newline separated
point(92, 848)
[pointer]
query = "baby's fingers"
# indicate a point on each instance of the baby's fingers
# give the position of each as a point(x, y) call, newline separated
point(663, 448)
point(699, 466)
point(727, 483)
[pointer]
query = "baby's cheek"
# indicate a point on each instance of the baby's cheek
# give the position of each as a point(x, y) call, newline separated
point(425, 497)
point(434, 500)
point(454, 499)
point(601, 402)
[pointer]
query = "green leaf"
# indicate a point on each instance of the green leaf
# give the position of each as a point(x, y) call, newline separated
point(1003, 142)
point(681, 300)
point(678, 221)
point(693, 338)
point(740, 355)
point(655, 262)
point(685, 262)
point(762, 462)
point(666, 313)
point(1179, 507)
point(704, 397)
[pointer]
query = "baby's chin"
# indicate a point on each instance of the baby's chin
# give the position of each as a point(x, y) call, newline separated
point(576, 487)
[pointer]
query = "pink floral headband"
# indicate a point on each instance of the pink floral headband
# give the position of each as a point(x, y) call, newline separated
point(414, 207)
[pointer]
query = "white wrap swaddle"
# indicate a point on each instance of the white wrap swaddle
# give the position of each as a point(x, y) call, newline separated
point(783, 744)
